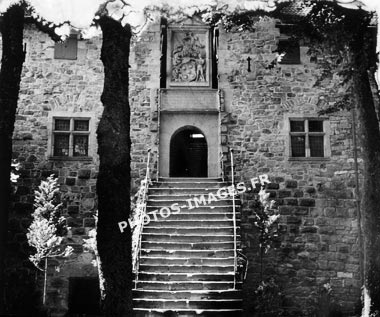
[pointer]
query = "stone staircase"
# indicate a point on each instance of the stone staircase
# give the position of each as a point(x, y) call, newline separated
point(187, 259)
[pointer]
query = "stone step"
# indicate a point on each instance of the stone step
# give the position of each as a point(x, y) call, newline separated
point(149, 260)
point(193, 207)
point(190, 238)
point(187, 304)
point(183, 195)
point(189, 184)
point(192, 204)
point(160, 245)
point(168, 222)
point(181, 190)
point(187, 285)
point(207, 181)
point(190, 179)
point(200, 209)
point(187, 254)
point(169, 269)
point(148, 312)
point(185, 277)
point(193, 295)
point(191, 216)
point(228, 230)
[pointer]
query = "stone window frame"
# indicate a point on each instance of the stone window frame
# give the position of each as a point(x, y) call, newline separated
point(293, 56)
point(72, 116)
point(326, 139)
point(171, 30)
point(285, 36)
point(67, 49)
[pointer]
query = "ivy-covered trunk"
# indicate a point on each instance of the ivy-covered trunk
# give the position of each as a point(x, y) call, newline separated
point(370, 142)
point(13, 56)
point(113, 184)
point(364, 59)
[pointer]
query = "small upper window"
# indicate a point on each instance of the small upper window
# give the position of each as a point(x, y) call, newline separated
point(291, 48)
point(71, 137)
point(307, 138)
point(67, 49)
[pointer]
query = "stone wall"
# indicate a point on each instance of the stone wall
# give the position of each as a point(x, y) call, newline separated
point(73, 88)
point(51, 86)
point(319, 242)
point(143, 93)
point(319, 228)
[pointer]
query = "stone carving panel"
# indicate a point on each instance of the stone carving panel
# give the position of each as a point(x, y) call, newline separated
point(189, 58)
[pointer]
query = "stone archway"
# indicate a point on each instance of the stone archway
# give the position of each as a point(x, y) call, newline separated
point(188, 153)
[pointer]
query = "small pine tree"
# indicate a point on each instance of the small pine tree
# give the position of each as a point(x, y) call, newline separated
point(46, 231)
point(267, 300)
point(267, 216)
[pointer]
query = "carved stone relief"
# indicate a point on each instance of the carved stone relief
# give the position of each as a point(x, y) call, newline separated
point(189, 58)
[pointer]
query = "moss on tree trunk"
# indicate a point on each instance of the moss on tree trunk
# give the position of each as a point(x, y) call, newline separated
point(10, 75)
point(113, 184)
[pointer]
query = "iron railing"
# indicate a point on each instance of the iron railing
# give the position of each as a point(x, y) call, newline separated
point(158, 132)
point(138, 220)
point(240, 260)
point(221, 157)
point(234, 214)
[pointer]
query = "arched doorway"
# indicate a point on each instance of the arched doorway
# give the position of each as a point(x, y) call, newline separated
point(188, 153)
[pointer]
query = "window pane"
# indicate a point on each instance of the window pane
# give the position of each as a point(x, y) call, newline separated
point(298, 146)
point(61, 145)
point(80, 145)
point(315, 126)
point(297, 126)
point(292, 51)
point(316, 146)
point(81, 125)
point(67, 49)
point(62, 125)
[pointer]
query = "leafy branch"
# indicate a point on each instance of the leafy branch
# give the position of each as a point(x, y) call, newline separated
point(91, 245)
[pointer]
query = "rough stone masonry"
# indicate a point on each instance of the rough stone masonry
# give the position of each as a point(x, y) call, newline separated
point(319, 229)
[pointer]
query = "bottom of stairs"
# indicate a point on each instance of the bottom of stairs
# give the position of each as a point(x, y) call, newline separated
point(188, 313)
point(191, 303)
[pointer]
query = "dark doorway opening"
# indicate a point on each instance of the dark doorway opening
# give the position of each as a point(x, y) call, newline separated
point(84, 297)
point(188, 153)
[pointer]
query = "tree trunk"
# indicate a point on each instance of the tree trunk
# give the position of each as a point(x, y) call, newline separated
point(370, 142)
point(10, 75)
point(45, 281)
point(113, 185)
